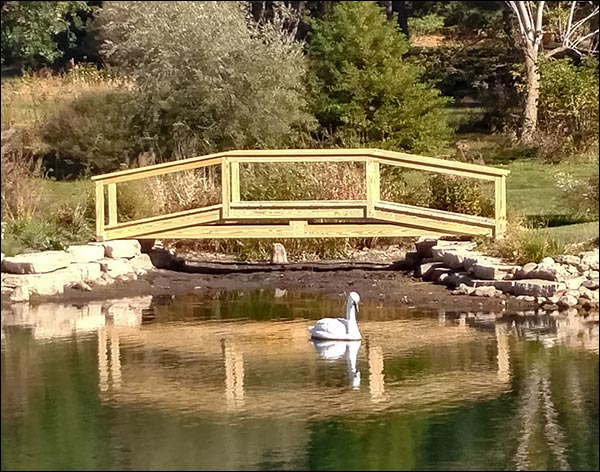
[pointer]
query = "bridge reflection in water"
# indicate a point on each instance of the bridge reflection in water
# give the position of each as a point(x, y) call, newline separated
point(269, 368)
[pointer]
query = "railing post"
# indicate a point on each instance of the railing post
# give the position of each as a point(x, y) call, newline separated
point(226, 186)
point(500, 206)
point(235, 181)
point(99, 211)
point(112, 204)
point(373, 190)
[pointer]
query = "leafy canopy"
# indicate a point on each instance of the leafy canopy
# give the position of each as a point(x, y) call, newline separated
point(363, 92)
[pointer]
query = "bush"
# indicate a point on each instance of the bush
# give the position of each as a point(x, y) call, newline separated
point(207, 73)
point(568, 105)
point(94, 130)
point(427, 24)
point(460, 195)
point(522, 244)
point(580, 196)
point(364, 93)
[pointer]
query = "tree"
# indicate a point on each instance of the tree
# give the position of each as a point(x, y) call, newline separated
point(363, 91)
point(30, 28)
point(576, 29)
point(209, 77)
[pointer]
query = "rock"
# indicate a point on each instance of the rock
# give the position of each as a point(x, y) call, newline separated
point(411, 259)
point(425, 270)
point(20, 294)
point(423, 247)
point(488, 291)
point(82, 286)
point(443, 279)
point(567, 301)
point(574, 283)
point(526, 298)
point(592, 284)
point(463, 289)
point(36, 263)
point(505, 286)
point(455, 259)
point(45, 284)
point(523, 272)
point(569, 259)
point(278, 254)
point(438, 272)
point(116, 267)
point(550, 307)
point(455, 279)
point(537, 287)
point(163, 259)
point(141, 264)
point(483, 270)
point(86, 253)
point(122, 248)
point(89, 271)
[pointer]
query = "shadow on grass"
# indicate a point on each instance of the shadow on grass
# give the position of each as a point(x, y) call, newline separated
point(554, 220)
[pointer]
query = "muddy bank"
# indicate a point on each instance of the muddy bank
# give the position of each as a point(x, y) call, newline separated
point(383, 285)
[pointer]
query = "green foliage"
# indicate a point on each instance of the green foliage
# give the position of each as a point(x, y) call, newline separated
point(568, 105)
point(94, 129)
point(460, 195)
point(427, 24)
point(207, 74)
point(579, 195)
point(29, 29)
point(363, 92)
point(521, 244)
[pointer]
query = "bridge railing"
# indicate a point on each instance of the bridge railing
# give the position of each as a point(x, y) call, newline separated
point(298, 212)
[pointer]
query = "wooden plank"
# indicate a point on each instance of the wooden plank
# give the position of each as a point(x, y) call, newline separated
point(226, 186)
point(439, 170)
point(112, 204)
point(373, 190)
point(429, 224)
point(168, 216)
point(500, 207)
point(338, 230)
point(436, 214)
point(294, 204)
point(235, 181)
point(99, 211)
point(163, 168)
point(152, 171)
point(137, 229)
point(437, 162)
point(292, 213)
point(333, 158)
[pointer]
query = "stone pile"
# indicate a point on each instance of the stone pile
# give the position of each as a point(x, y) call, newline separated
point(50, 272)
point(563, 282)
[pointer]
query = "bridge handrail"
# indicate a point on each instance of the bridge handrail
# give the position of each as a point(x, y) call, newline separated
point(230, 160)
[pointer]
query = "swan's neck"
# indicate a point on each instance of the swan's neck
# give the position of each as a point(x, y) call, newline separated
point(351, 312)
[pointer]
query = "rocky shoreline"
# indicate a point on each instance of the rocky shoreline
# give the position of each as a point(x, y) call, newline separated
point(436, 274)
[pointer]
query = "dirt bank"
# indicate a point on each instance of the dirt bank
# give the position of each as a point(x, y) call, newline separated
point(392, 286)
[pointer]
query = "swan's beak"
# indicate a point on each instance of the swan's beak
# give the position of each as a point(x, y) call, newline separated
point(356, 306)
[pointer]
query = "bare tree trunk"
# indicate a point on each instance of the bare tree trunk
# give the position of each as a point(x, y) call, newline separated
point(530, 116)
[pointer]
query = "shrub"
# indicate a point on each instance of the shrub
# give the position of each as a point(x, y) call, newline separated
point(428, 24)
point(460, 195)
point(580, 196)
point(363, 92)
point(206, 72)
point(521, 244)
point(568, 105)
point(21, 196)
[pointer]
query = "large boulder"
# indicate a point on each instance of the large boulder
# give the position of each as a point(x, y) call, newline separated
point(36, 262)
point(122, 248)
point(537, 287)
point(82, 253)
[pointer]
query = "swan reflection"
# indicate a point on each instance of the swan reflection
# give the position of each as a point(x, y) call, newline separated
point(337, 350)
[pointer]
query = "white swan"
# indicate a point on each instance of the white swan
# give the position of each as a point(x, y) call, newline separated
point(339, 329)
point(334, 350)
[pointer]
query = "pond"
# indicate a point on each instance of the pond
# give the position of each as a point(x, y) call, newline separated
point(231, 382)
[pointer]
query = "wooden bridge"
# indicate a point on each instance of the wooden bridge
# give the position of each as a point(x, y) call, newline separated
point(234, 218)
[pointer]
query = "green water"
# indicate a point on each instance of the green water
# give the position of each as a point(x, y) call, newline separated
point(232, 382)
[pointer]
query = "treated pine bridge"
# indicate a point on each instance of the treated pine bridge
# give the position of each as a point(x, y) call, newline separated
point(234, 218)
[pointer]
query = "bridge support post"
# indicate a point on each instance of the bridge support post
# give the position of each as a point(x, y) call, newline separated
point(500, 206)
point(226, 186)
point(99, 211)
point(373, 188)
